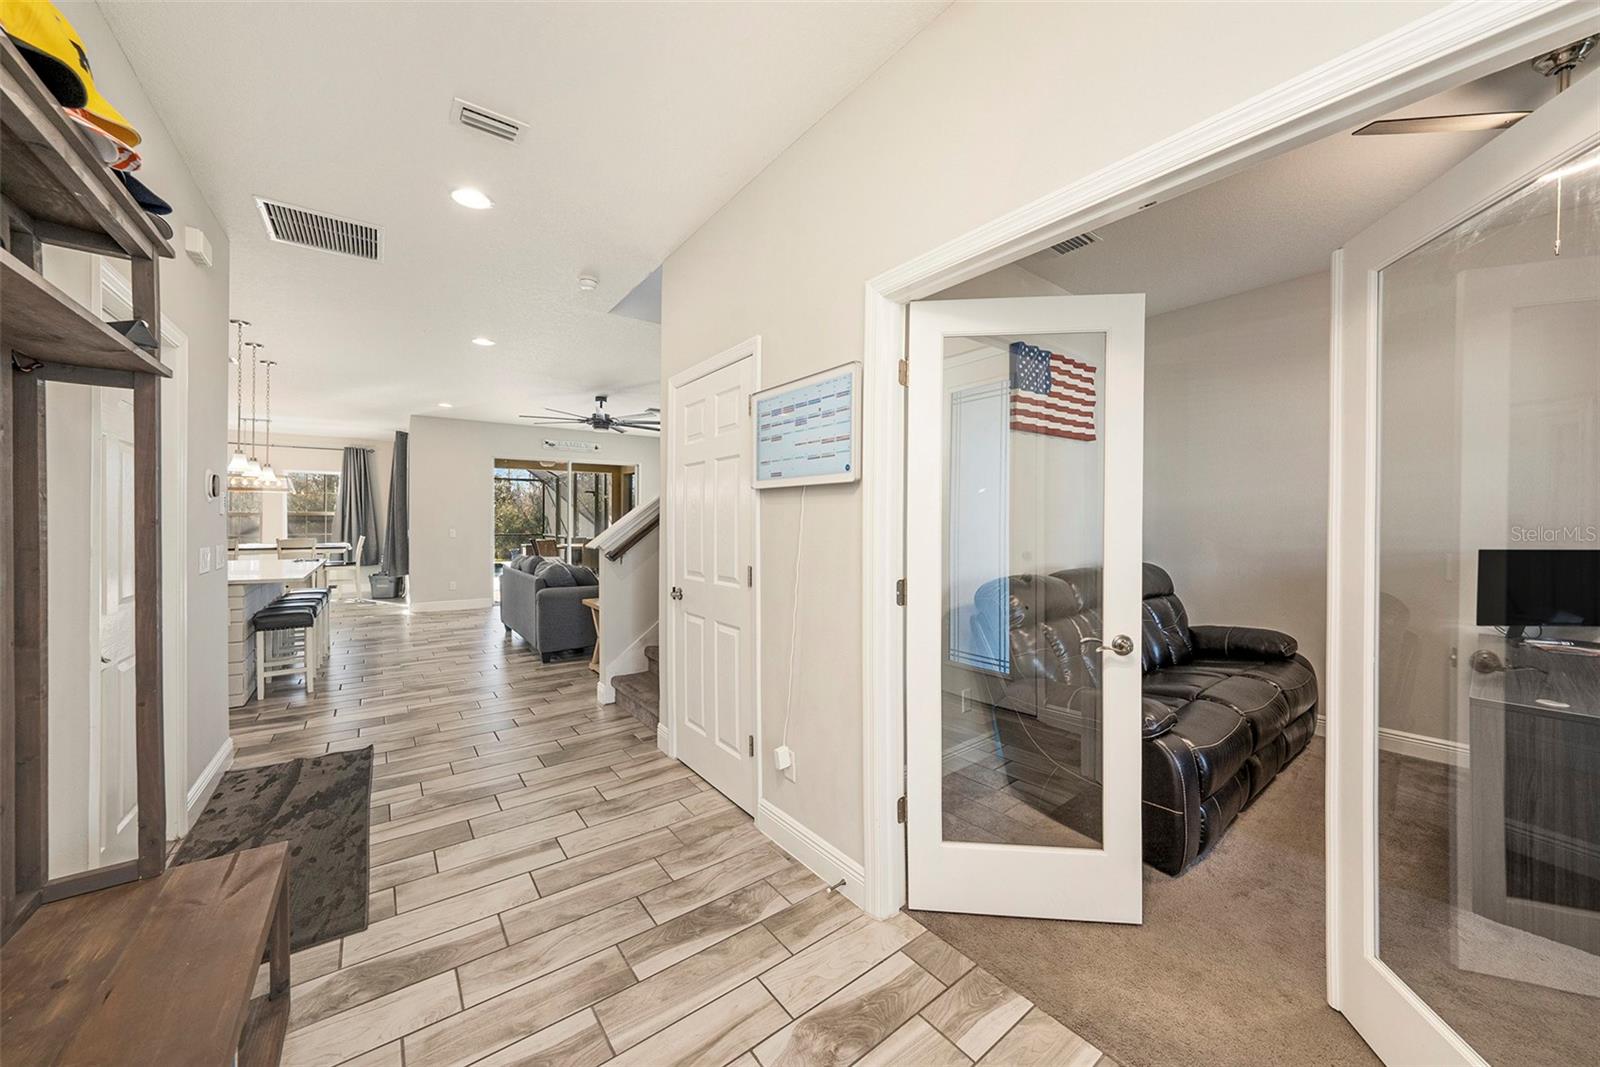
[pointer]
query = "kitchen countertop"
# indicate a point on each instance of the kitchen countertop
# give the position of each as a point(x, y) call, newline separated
point(271, 570)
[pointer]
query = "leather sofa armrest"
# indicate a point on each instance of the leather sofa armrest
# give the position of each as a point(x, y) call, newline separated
point(1243, 642)
point(1158, 719)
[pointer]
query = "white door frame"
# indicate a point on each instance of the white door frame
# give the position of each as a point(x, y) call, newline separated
point(1379, 1003)
point(1445, 47)
point(109, 287)
point(667, 728)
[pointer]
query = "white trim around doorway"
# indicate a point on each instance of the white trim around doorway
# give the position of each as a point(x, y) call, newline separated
point(1453, 44)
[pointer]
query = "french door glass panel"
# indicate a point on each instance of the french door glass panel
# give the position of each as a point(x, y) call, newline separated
point(1023, 551)
point(1488, 776)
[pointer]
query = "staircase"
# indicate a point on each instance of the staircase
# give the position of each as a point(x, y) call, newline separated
point(640, 694)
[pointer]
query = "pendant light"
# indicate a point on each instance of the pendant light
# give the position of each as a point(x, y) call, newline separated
point(238, 461)
point(252, 468)
point(271, 481)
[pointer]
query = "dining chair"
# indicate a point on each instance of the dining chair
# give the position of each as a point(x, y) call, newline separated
point(545, 546)
point(296, 547)
point(350, 569)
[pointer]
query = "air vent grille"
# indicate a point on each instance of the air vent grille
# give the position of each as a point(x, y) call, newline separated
point(291, 225)
point(1072, 244)
point(485, 121)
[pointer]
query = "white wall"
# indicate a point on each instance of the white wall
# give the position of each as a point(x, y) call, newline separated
point(1236, 457)
point(991, 107)
point(195, 299)
point(452, 495)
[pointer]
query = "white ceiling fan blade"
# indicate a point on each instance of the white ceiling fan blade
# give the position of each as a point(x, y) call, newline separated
point(1475, 123)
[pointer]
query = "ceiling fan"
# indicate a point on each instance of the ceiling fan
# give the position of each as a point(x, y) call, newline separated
point(1558, 65)
point(601, 419)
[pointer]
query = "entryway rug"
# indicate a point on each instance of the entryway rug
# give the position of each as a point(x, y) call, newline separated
point(320, 806)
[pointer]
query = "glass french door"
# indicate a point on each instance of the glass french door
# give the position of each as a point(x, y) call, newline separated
point(1023, 519)
point(1464, 638)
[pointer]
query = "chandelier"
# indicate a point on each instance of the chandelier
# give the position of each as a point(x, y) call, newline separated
point(247, 474)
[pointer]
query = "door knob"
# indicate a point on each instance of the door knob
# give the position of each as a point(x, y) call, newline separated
point(676, 594)
point(1121, 644)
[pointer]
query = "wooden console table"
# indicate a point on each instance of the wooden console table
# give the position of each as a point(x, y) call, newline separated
point(593, 604)
point(154, 971)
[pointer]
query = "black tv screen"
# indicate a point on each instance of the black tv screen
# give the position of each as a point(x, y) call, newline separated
point(1538, 587)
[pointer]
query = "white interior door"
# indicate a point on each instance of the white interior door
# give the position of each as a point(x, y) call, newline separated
point(711, 600)
point(1024, 511)
point(113, 772)
point(1465, 375)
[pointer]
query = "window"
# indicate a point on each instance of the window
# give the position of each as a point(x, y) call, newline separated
point(244, 517)
point(528, 503)
point(313, 504)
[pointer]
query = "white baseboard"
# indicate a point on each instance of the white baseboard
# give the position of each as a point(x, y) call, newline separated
point(664, 738)
point(1417, 746)
point(452, 605)
point(825, 861)
point(206, 784)
point(604, 693)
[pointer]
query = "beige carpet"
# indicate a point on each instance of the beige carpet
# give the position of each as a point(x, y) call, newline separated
point(1228, 967)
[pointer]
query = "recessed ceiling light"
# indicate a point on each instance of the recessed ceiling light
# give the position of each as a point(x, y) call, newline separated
point(445, 404)
point(467, 196)
point(483, 342)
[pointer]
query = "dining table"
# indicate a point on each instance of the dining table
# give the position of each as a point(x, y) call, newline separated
point(325, 549)
point(254, 582)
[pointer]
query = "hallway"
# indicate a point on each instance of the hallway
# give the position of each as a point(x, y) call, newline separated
point(547, 887)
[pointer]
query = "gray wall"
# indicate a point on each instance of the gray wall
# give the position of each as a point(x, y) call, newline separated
point(452, 488)
point(991, 107)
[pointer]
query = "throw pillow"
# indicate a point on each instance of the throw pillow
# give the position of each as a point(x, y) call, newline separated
point(582, 575)
point(554, 573)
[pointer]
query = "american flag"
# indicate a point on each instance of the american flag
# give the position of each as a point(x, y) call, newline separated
point(1051, 394)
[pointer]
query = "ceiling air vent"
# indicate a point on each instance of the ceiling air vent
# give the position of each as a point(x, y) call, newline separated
point(1072, 244)
point(292, 225)
point(485, 121)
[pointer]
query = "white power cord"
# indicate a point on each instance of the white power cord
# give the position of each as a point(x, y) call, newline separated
point(794, 614)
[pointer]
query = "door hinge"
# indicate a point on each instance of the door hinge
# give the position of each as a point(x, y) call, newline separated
point(905, 372)
point(752, 744)
point(750, 404)
point(750, 575)
point(900, 810)
point(900, 592)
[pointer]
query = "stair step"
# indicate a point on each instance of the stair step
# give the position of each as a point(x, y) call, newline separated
point(639, 695)
point(652, 657)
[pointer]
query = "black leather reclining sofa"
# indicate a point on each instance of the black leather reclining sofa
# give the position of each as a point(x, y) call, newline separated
point(1225, 707)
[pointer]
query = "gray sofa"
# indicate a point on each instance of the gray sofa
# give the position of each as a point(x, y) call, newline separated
point(542, 599)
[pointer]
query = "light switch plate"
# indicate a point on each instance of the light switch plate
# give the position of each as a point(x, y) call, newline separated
point(219, 554)
point(205, 559)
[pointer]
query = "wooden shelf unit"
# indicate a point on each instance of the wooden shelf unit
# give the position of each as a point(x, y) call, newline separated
point(131, 958)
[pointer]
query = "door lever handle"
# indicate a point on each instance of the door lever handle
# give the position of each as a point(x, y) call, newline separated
point(1121, 644)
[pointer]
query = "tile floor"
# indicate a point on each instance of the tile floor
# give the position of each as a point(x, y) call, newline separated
point(548, 888)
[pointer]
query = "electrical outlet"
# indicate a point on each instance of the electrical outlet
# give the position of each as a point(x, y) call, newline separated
point(452, 531)
point(452, 585)
point(783, 759)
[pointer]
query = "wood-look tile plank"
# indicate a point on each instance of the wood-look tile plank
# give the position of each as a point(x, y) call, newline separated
point(660, 947)
point(576, 1041)
point(344, 989)
point(916, 1043)
point(1040, 1041)
point(375, 1023)
point(486, 846)
point(595, 837)
point(810, 977)
point(409, 896)
point(425, 922)
point(402, 870)
point(592, 865)
point(526, 960)
point(976, 1012)
point(662, 999)
point(701, 887)
point(686, 859)
point(640, 800)
point(433, 820)
point(855, 1019)
point(416, 844)
point(380, 905)
point(728, 1026)
point(812, 919)
point(558, 909)
point(936, 957)
point(500, 1021)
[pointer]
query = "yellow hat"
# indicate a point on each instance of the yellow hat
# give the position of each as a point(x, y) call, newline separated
point(56, 53)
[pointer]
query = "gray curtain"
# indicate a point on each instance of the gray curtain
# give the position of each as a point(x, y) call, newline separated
point(397, 539)
point(357, 512)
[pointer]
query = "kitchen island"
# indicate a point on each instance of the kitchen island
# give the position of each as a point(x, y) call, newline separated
point(253, 583)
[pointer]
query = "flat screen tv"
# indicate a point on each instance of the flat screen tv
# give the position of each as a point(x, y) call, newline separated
point(1522, 587)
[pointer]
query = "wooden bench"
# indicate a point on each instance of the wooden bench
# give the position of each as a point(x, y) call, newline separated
point(154, 971)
